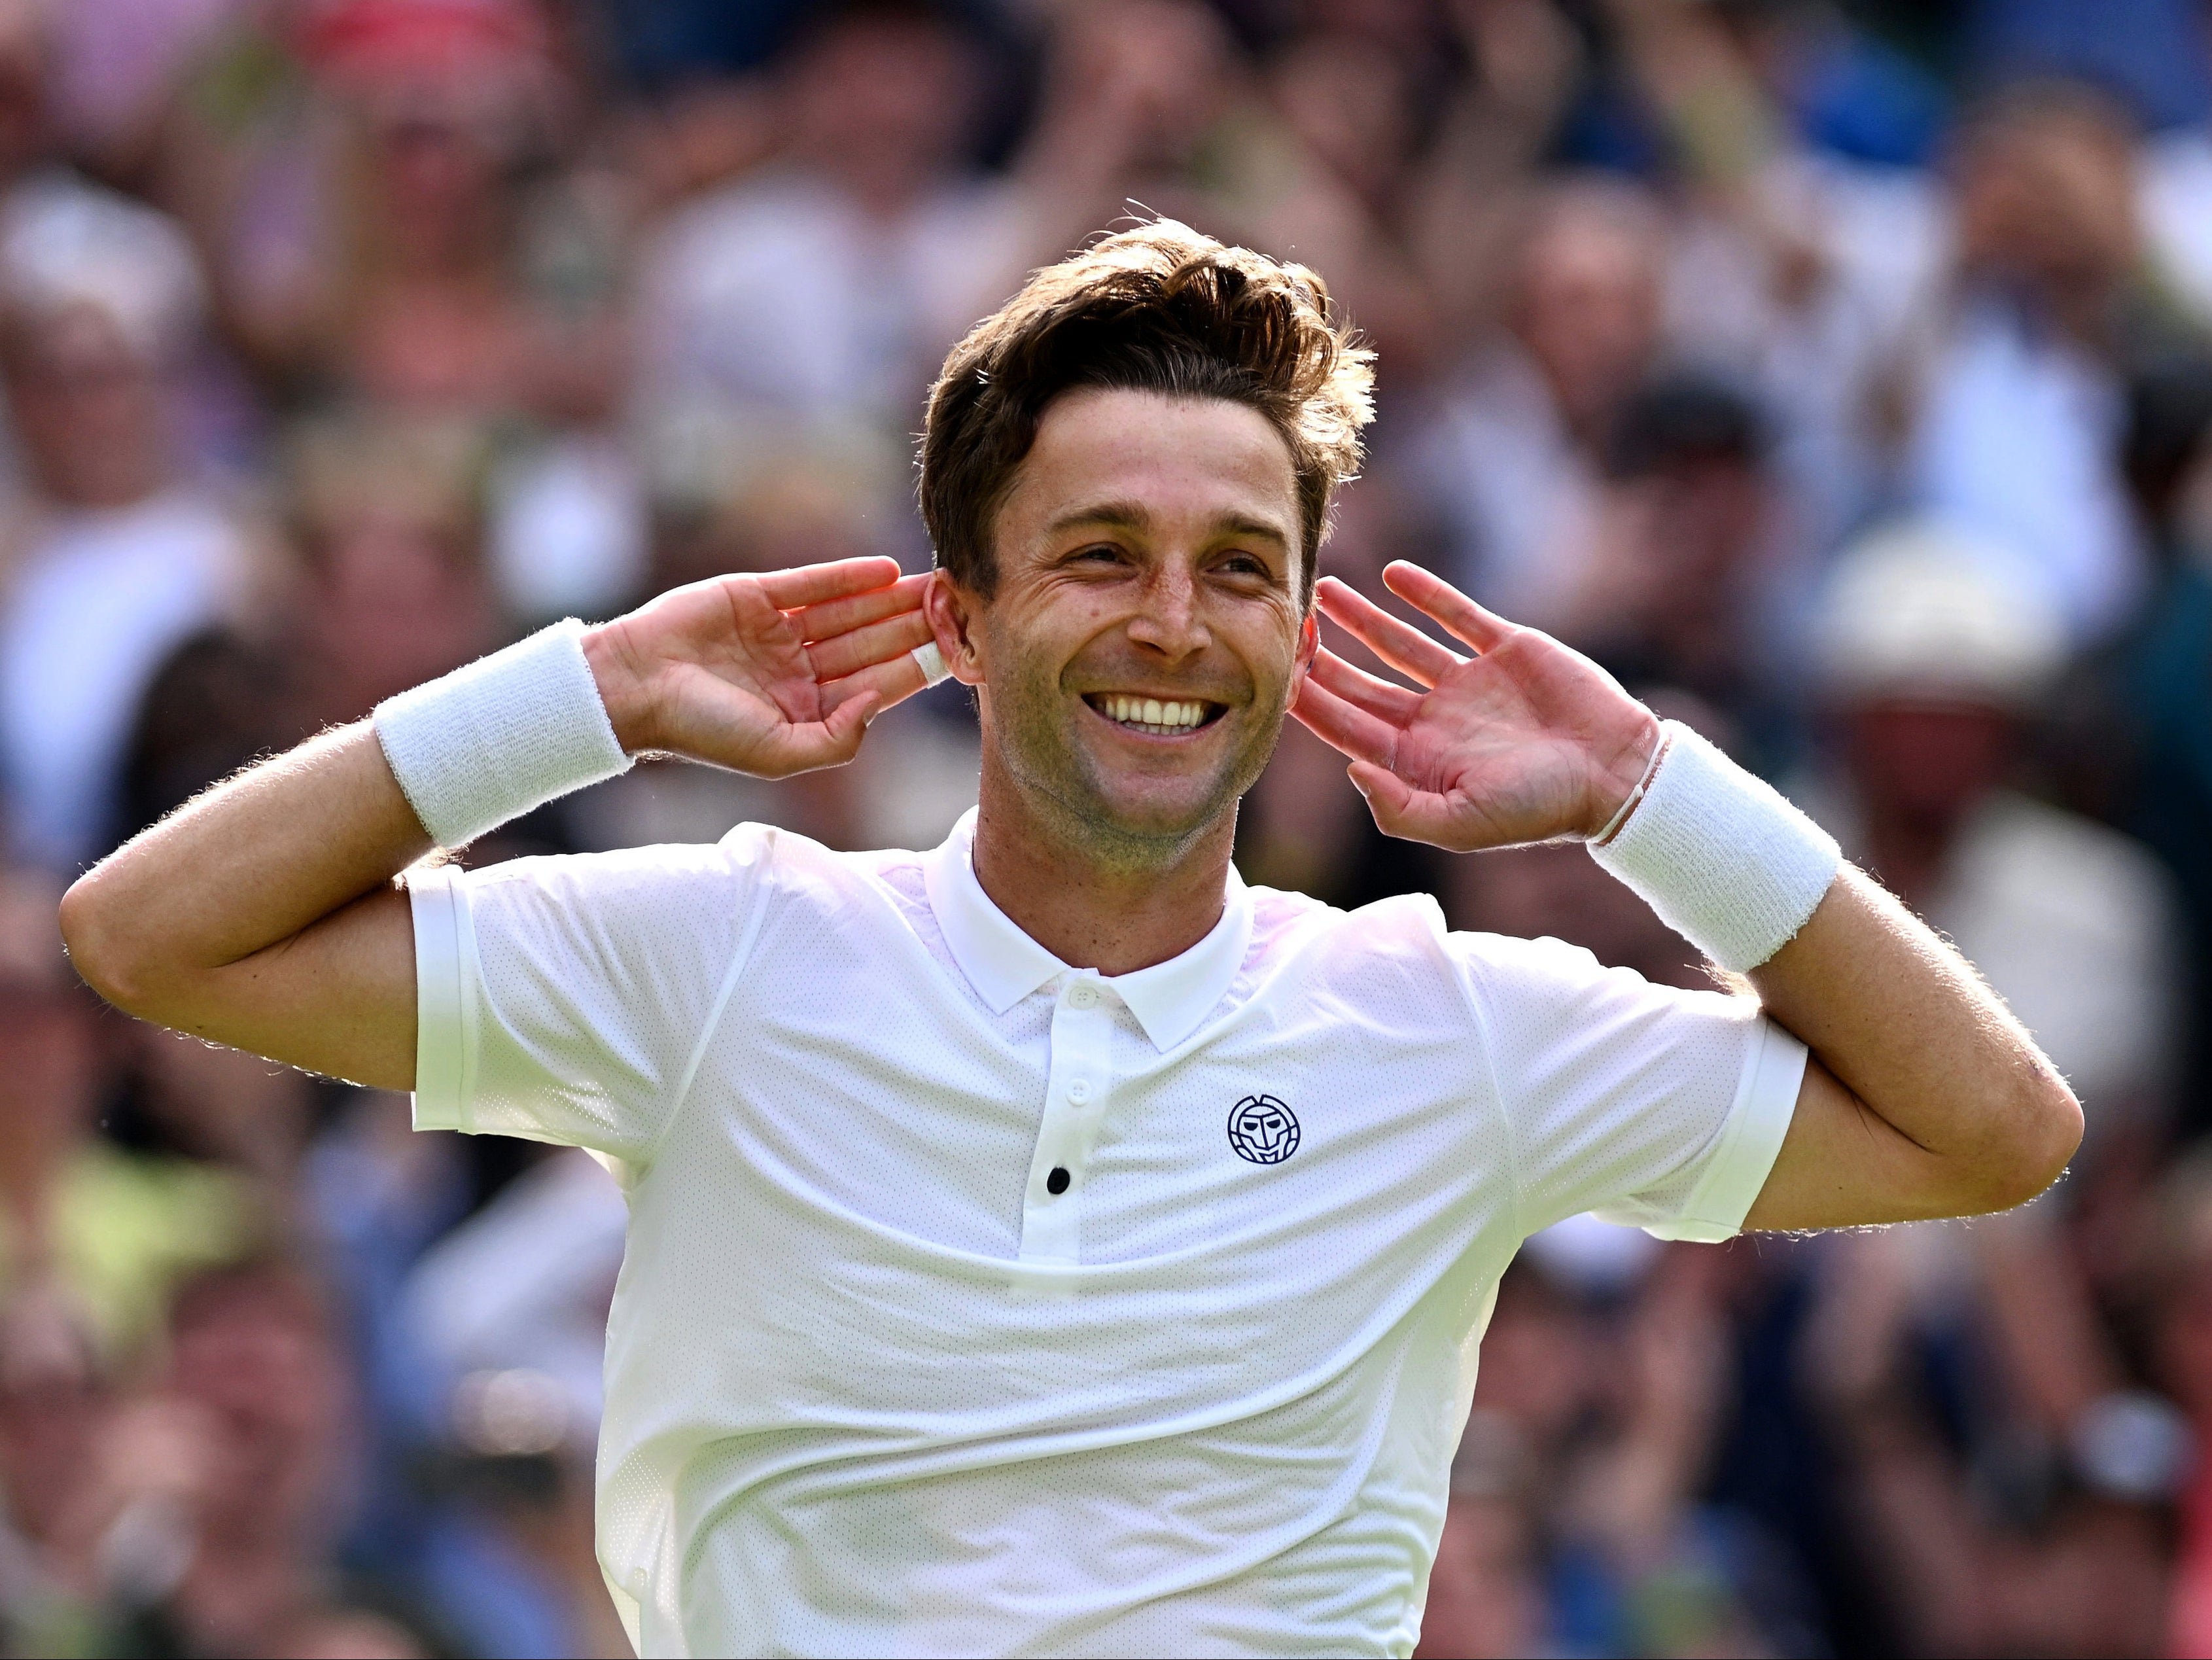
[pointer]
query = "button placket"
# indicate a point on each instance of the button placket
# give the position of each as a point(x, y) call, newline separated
point(1076, 1086)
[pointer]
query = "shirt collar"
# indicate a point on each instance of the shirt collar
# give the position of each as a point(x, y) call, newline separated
point(1004, 964)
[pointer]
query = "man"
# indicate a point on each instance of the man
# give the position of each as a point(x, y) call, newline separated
point(1048, 1244)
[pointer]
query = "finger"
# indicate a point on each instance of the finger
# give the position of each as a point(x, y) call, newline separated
point(860, 648)
point(1343, 726)
point(809, 584)
point(890, 682)
point(1428, 593)
point(1356, 686)
point(1400, 645)
point(1401, 810)
point(832, 618)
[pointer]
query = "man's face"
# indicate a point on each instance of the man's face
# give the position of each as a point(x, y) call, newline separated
point(1146, 631)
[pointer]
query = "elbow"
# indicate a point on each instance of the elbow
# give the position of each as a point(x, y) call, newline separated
point(2043, 1125)
point(100, 947)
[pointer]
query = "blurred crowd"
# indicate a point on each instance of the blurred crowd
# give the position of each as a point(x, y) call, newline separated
point(1838, 374)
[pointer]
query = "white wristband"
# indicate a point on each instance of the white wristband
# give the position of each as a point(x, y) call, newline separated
point(1725, 862)
point(507, 733)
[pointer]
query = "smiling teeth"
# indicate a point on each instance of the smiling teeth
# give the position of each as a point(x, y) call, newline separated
point(1151, 712)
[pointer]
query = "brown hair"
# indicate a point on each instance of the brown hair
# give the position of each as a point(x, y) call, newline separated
point(1160, 308)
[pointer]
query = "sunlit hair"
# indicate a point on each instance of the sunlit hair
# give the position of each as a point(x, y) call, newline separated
point(1161, 309)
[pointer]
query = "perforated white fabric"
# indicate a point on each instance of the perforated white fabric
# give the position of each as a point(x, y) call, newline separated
point(875, 1386)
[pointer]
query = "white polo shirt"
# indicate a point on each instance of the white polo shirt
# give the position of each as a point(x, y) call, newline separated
point(978, 1304)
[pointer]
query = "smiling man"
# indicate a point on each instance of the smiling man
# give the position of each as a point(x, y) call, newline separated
point(1047, 1243)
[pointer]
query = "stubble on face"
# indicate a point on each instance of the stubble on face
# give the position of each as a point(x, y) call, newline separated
point(1029, 719)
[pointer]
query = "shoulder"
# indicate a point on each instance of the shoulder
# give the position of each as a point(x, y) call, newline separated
point(710, 877)
point(1381, 950)
point(1406, 929)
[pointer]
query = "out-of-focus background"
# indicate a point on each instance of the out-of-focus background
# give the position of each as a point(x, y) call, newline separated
point(1839, 375)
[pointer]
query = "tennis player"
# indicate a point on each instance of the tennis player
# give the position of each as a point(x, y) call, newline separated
point(1048, 1244)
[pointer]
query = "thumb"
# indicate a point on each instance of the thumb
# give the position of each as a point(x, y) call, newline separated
point(849, 723)
point(1401, 810)
point(806, 746)
point(1386, 793)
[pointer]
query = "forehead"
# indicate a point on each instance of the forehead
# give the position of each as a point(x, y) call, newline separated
point(1190, 462)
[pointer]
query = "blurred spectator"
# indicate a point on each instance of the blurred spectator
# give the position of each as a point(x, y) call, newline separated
point(1515, 456)
point(387, 513)
point(826, 288)
point(255, 1381)
point(376, 186)
point(2021, 407)
point(2152, 54)
point(1690, 527)
point(1576, 1522)
point(1932, 666)
point(1801, 264)
point(2140, 723)
point(114, 552)
point(104, 1231)
point(2006, 1488)
point(508, 1312)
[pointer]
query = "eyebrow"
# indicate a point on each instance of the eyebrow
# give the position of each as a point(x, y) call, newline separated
point(1136, 516)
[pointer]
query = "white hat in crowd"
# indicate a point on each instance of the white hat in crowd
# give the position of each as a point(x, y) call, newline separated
point(65, 243)
point(1918, 608)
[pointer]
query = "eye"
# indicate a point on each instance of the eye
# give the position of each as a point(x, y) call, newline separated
point(1244, 564)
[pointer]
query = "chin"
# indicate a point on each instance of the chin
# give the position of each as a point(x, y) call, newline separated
point(1139, 810)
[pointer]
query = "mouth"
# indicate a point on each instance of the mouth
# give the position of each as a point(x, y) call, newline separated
point(1156, 717)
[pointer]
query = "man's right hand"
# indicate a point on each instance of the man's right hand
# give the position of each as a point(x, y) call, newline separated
point(768, 675)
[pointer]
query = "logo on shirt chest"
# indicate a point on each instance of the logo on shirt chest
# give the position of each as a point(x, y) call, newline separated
point(1262, 1130)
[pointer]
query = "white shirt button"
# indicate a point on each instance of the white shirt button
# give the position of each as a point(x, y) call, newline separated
point(1083, 996)
point(1079, 1090)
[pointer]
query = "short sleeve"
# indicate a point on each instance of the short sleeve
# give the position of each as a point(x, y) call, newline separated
point(568, 999)
point(1653, 1107)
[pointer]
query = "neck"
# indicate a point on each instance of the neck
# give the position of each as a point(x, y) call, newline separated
point(1092, 912)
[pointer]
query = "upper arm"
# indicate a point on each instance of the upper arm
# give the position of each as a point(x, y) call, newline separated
point(1842, 1165)
point(336, 998)
point(1931, 1099)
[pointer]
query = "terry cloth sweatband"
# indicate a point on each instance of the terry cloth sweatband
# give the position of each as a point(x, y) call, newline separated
point(1725, 861)
point(505, 734)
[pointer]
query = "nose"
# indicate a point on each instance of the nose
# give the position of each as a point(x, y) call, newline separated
point(1170, 623)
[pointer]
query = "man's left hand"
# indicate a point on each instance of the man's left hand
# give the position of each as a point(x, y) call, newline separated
point(1526, 740)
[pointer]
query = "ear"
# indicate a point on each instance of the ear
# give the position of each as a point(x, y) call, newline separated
point(1309, 644)
point(950, 611)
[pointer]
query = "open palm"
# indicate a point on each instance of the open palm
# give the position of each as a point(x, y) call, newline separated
point(771, 674)
point(1527, 740)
